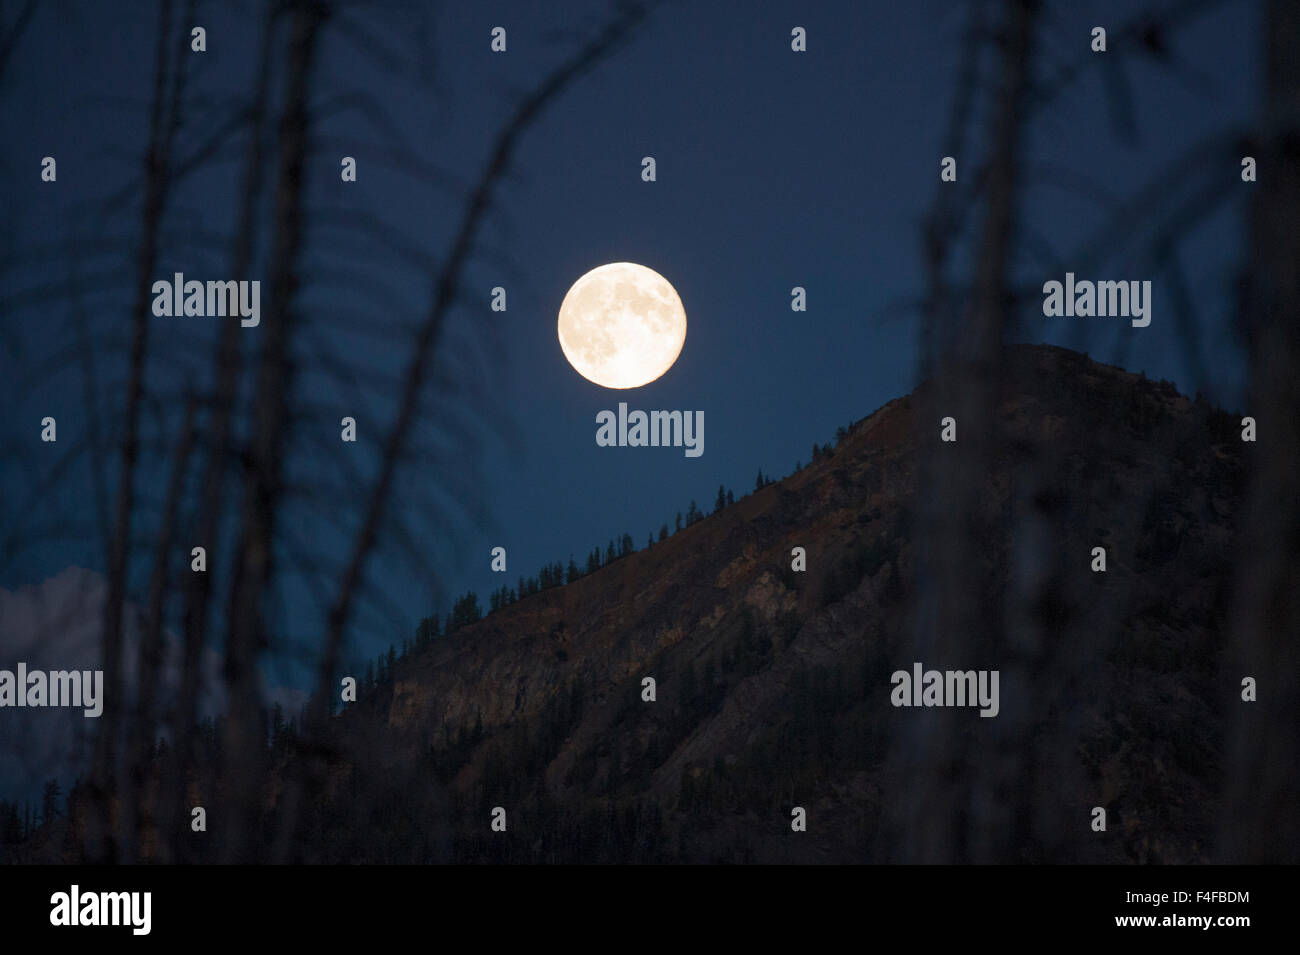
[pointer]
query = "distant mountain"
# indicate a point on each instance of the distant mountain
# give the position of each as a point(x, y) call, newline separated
point(773, 686)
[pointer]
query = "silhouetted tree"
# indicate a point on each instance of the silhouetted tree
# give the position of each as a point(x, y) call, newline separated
point(1259, 822)
point(464, 612)
point(960, 802)
point(50, 800)
point(277, 722)
point(428, 631)
point(11, 824)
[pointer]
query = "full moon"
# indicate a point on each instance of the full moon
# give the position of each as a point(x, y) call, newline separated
point(622, 325)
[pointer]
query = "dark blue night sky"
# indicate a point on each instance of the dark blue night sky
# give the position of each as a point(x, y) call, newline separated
point(775, 169)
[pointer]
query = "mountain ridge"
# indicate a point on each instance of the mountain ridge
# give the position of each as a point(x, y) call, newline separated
point(732, 636)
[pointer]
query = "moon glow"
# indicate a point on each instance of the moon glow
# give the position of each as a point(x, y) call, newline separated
point(622, 325)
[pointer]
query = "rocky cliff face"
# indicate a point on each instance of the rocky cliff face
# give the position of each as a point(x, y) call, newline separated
point(773, 686)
